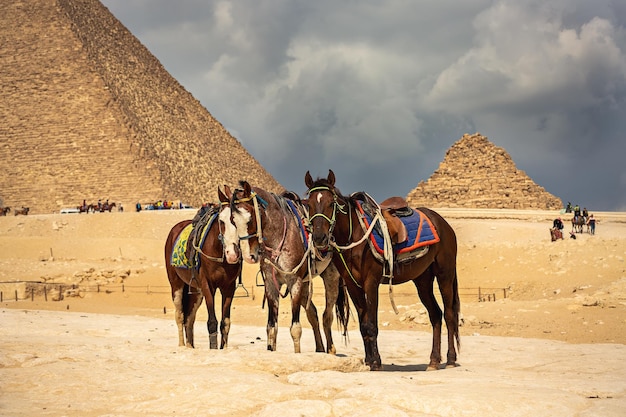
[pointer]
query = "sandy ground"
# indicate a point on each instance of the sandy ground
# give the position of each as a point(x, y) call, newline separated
point(552, 342)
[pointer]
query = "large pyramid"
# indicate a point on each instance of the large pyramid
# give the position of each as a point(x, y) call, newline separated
point(477, 174)
point(87, 112)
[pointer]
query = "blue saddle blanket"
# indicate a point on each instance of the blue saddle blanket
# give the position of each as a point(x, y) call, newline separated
point(421, 232)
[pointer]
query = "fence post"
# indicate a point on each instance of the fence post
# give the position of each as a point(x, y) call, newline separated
point(480, 298)
point(45, 292)
point(32, 294)
point(1, 296)
point(15, 295)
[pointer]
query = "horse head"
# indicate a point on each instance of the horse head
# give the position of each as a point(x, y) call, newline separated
point(240, 216)
point(322, 208)
point(228, 231)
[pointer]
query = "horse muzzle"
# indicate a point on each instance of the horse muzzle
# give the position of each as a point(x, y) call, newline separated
point(232, 255)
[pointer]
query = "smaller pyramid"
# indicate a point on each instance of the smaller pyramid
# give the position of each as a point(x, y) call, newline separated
point(477, 174)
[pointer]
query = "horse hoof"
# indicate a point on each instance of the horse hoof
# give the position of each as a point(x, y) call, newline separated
point(451, 365)
point(376, 367)
point(432, 367)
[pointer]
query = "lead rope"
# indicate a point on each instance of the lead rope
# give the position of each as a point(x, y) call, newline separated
point(387, 252)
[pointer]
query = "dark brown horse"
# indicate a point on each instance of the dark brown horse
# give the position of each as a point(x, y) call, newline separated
point(23, 211)
point(269, 232)
point(219, 268)
point(4, 210)
point(334, 222)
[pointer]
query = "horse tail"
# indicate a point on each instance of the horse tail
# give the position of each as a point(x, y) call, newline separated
point(456, 306)
point(188, 301)
point(342, 307)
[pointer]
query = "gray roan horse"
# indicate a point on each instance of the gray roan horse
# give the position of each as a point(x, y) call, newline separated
point(219, 268)
point(334, 222)
point(268, 227)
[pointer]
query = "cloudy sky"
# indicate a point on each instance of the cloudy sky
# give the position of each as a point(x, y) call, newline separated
point(378, 90)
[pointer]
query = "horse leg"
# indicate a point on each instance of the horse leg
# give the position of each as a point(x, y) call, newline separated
point(368, 323)
point(191, 305)
point(177, 298)
point(296, 327)
point(209, 295)
point(424, 284)
point(271, 295)
point(448, 287)
point(331, 288)
point(311, 314)
point(227, 301)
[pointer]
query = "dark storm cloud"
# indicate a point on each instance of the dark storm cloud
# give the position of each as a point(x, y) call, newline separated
point(379, 90)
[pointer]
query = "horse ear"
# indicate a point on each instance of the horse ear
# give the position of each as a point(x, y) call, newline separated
point(331, 177)
point(223, 197)
point(308, 181)
point(246, 188)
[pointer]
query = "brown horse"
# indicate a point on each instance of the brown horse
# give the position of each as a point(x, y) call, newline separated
point(4, 210)
point(334, 222)
point(577, 224)
point(277, 241)
point(219, 268)
point(23, 211)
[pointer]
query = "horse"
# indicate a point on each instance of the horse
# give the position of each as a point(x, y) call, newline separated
point(279, 245)
point(334, 221)
point(23, 211)
point(103, 207)
point(578, 223)
point(4, 210)
point(219, 268)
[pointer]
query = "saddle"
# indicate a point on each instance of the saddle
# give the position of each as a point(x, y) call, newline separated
point(184, 253)
point(410, 230)
point(393, 208)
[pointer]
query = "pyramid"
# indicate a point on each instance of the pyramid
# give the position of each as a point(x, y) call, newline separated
point(89, 113)
point(477, 174)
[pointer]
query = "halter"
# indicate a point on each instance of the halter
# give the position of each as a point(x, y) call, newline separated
point(336, 206)
point(254, 197)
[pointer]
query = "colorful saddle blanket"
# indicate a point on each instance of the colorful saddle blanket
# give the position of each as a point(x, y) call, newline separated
point(303, 232)
point(180, 252)
point(421, 232)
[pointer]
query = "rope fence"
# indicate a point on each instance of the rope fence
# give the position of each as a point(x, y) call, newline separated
point(57, 292)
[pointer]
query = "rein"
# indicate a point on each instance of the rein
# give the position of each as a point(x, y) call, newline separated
point(209, 257)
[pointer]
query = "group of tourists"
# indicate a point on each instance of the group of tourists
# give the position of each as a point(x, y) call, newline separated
point(160, 205)
point(581, 217)
point(100, 207)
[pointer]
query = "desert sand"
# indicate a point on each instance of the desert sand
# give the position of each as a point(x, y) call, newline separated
point(546, 336)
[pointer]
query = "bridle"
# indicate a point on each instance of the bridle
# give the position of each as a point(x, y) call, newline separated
point(332, 221)
point(254, 197)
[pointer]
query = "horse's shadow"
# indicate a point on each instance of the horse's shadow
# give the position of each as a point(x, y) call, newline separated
point(392, 367)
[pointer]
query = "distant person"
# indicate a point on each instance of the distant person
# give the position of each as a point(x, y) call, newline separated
point(120, 208)
point(568, 208)
point(557, 229)
point(558, 224)
point(585, 214)
point(592, 225)
point(138, 207)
